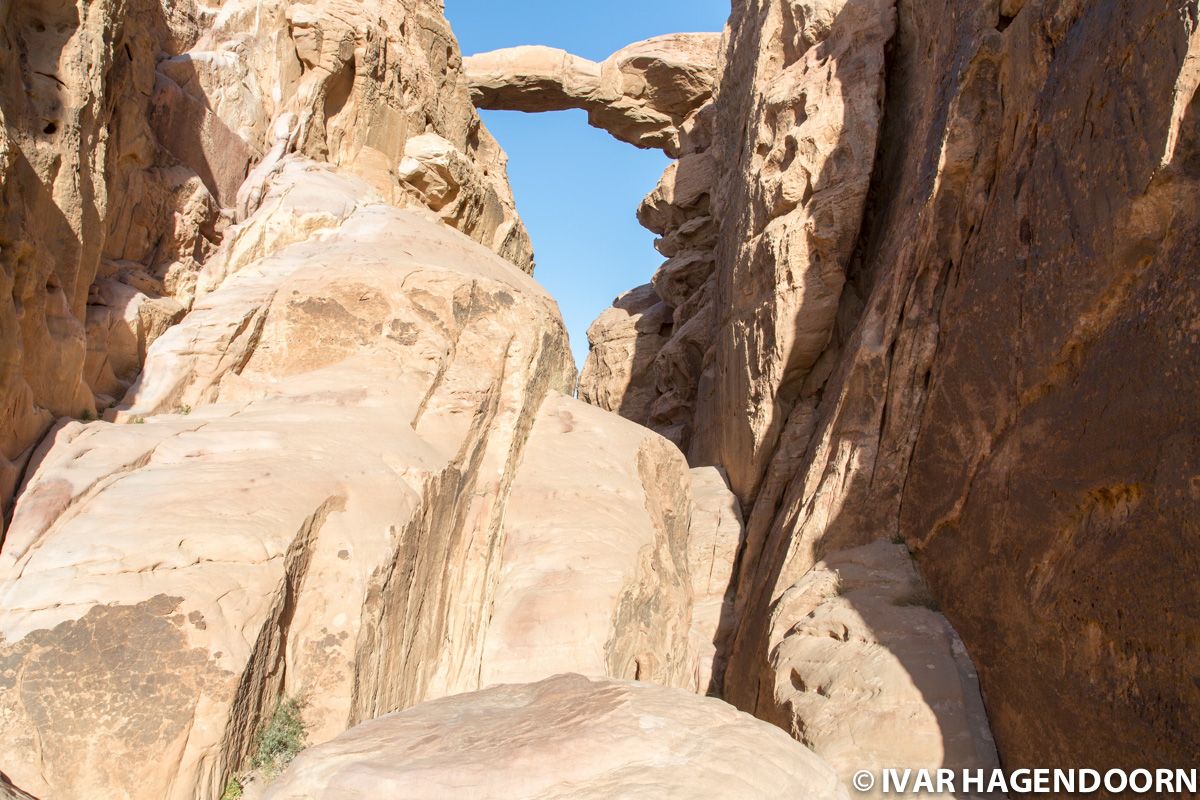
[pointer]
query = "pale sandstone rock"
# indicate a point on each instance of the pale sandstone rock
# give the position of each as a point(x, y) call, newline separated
point(870, 675)
point(10, 792)
point(361, 409)
point(641, 94)
point(955, 356)
point(342, 412)
point(624, 341)
point(565, 737)
point(714, 535)
point(112, 154)
point(595, 555)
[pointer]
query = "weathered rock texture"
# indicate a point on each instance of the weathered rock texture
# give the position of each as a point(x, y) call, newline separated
point(869, 674)
point(1015, 305)
point(346, 476)
point(713, 540)
point(595, 575)
point(341, 431)
point(947, 273)
point(576, 738)
point(301, 495)
point(641, 94)
point(623, 343)
point(10, 792)
point(127, 132)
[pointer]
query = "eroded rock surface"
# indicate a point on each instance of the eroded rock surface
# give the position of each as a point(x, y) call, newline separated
point(346, 475)
point(1001, 332)
point(10, 792)
point(128, 132)
point(914, 318)
point(715, 535)
point(595, 545)
point(927, 267)
point(869, 674)
point(345, 411)
point(577, 738)
point(624, 341)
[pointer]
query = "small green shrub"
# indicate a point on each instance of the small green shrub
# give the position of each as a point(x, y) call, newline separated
point(280, 740)
point(185, 410)
point(233, 790)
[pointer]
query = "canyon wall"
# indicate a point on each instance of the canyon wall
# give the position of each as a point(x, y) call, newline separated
point(951, 304)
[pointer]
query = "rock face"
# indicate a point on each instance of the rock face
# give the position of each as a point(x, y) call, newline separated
point(641, 94)
point(373, 409)
point(595, 576)
point(577, 738)
point(120, 170)
point(624, 341)
point(345, 411)
point(329, 472)
point(713, 541)
point(1001, 330)
point(918, 321)
point(869, 674)
point(10, 792)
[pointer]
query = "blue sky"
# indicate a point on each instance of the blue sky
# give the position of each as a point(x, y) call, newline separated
point(577, 188)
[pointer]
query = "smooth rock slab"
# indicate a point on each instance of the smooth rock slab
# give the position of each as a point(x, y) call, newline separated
point(565, 737)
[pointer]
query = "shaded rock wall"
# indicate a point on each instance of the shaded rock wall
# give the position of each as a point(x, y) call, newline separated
point(952, 291)
point(1021, 276)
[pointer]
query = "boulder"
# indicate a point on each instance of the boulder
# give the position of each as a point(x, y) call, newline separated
point(272, 508)
point(564, 737)
point(870, 675)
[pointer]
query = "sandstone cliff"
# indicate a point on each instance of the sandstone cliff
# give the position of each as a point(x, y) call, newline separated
point(336, 470)
point(944, 299)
